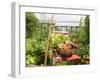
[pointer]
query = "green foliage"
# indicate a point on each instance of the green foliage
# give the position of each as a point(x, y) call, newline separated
point(36, 38)
point(35, 47)
point(74, 37)
point(64, 63)
point(32, 23)
point(84, 32)
point(29, 47)
point(83, 50)
point(59, 38)
point(40, 41)
point(30, 59)
point(82, 38)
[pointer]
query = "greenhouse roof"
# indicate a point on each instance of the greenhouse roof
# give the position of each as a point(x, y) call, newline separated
point(60, 20)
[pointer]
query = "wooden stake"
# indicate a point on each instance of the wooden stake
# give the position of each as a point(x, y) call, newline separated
point(48, 41)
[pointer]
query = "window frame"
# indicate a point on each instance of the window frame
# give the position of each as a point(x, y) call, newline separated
point(17, 36)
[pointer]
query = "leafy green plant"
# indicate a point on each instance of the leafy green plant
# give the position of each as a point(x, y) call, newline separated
point(36, 38)
point(83, 50)
point(29, 60)
point(59, 38)
point(32, 24)
point(81, 38)
point(84, 35)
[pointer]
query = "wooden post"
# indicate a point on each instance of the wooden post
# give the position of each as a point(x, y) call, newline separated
point(48, 41)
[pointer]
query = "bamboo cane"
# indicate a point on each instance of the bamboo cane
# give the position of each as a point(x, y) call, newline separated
point(48, 41)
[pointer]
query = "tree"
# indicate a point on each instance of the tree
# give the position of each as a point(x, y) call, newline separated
point(32, 23)
point(84, 32)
